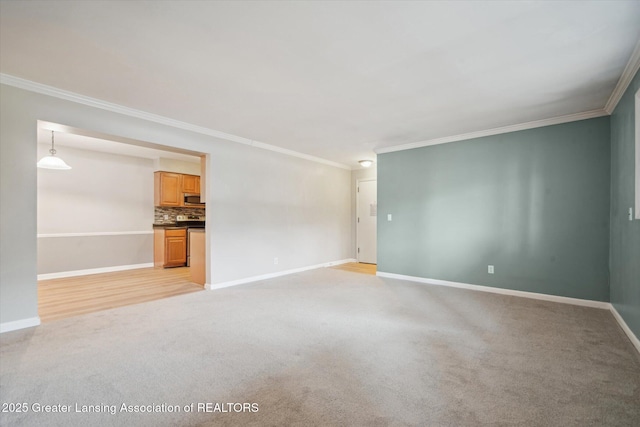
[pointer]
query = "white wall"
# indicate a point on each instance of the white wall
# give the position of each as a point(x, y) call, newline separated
point(260, 203)
point(102, 193)
point(70, 255)
point(178, 166)
point(264, 205)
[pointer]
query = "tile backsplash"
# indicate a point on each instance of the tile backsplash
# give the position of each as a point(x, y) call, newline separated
point(160, 212)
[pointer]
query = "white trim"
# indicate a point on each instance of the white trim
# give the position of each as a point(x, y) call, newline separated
point(632, 337)
point(496, 131)
point(625, 79)
point(19, 324)
point(288, 152)
point(97, 103)
point(221, 285)
point(339, 262)
point(74, 273)
point(525, 294)
point(95, 233)
point(637, 150)
point(115, 108)
point(632, 67)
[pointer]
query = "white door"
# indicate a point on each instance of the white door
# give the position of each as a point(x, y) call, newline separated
point(367, 202)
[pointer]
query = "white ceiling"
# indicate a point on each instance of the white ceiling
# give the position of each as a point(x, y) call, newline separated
point(64, 139)
point(334, 80)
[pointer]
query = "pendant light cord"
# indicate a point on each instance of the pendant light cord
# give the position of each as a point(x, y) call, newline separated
point(53, 150)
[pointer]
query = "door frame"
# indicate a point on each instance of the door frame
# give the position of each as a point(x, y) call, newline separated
point(355, 217)
point(205, 166)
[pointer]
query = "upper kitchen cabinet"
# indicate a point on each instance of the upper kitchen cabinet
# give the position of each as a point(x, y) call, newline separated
point(168, 189)
point(191, 184)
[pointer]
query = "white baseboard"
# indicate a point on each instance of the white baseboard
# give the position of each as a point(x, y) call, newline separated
point(95, 234)
point(276, 274)
point(61, 274)
point(35, 321)
point(627, 330)
point(340, 262)
point(545, 297)
point(19, 324)
point(533, 295)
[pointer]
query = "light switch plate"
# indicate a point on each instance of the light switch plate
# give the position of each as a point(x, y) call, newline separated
point(389, 217)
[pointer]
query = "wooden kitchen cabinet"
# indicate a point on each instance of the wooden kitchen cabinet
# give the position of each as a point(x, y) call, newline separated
point(191, 184)
point(170, 247)
point(168, 189)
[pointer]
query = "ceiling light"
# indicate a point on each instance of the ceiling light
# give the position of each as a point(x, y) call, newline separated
point(53, 162)
point(366, 163)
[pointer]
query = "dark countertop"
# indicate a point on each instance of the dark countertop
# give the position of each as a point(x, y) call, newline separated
point(174, 226)
point(169, 225)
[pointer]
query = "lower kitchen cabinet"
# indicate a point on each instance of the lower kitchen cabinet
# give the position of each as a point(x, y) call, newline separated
point(170, 247)
point(197, 254)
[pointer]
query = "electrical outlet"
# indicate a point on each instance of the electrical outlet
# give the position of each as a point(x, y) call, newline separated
point(389, 217)
point(275, 261)
point(490, 269)
point(166, 216)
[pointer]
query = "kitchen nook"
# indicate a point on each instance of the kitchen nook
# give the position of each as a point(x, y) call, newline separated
point(179, 223)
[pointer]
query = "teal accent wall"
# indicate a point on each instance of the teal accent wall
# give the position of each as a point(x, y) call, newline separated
point(625, 234)
point(533, 203)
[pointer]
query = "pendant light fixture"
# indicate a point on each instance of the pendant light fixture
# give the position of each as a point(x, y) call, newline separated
point(53, 162)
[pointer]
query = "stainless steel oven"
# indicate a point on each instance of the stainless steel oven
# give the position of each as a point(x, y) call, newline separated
point(190, 221)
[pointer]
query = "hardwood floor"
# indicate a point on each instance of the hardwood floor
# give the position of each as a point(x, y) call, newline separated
point(357, 267)
point(71, 296)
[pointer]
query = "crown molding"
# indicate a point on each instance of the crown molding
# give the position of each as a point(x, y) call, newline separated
point(131, 112)
point(625, 79)
point(288, 152)
point(496, 131)
point(632, 67)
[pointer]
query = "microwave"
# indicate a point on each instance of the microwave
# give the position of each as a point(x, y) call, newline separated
point(192, 200)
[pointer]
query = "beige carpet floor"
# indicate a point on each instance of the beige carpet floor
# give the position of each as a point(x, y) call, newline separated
point(327, 347)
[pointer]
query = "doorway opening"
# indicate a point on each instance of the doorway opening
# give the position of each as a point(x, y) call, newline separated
point(97, 222)
point(366, 221)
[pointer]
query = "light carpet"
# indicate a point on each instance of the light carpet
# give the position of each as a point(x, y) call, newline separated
point(328, 347)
